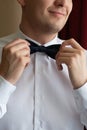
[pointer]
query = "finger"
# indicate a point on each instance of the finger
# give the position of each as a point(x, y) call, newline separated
point(17, 41)
point(66, 52)
point(66, 55)
point(72, 43)
point(12, 50)
point(25, 60)
point(18, 47)
point(68, 49)
point(17, 55)
point(22, 53)
point(71, 53)
point(63, 60)
point(59, 66)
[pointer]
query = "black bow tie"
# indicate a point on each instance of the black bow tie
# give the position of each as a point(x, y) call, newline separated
point(49, 50)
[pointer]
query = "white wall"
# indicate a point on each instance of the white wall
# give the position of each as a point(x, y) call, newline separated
point(10, 14)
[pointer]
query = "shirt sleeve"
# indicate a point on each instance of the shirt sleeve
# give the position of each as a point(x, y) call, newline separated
point(6, 89)
point(81, 101)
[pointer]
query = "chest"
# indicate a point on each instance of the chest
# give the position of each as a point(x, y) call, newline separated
point(43, 98)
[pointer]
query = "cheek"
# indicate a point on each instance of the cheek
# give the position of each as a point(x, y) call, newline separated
point(42, 5)
point(69, 11)
point(70, 7)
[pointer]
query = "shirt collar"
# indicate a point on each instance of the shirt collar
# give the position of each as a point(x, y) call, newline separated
point(56, 40)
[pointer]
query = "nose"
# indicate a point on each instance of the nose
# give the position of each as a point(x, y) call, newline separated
point(62, 2)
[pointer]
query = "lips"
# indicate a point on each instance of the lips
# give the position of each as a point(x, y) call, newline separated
point(57, 13)
point(61, 11)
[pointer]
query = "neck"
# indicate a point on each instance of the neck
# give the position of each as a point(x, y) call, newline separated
point(36, 34)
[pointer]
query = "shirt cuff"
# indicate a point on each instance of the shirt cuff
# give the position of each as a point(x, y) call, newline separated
point(81, 94)
point(6, 89)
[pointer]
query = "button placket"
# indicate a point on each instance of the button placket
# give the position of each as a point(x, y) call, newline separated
point(37, 92)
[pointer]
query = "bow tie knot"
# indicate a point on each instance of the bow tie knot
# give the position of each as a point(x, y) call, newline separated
point(49, 50)
point(38, 48)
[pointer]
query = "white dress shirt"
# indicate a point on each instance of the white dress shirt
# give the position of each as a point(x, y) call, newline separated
point(43, 98)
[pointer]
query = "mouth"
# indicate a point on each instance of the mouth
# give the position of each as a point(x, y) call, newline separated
point(57, 13)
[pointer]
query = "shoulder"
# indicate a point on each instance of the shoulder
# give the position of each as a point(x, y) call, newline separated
point(5, 40)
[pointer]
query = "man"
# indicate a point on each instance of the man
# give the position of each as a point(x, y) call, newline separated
point(38, 92)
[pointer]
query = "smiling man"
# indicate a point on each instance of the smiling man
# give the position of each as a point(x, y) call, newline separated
point(43, 79)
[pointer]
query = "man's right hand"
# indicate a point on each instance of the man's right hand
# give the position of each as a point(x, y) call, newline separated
point(15, 57)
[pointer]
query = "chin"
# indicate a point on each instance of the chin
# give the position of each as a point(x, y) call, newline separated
point(54, 28)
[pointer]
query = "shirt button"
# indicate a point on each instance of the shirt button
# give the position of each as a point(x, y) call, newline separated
point(42, 125)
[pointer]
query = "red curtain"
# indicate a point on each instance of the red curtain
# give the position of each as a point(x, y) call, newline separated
point(76, 26)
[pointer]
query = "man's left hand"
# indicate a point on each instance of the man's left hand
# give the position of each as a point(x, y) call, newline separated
point(73, 55)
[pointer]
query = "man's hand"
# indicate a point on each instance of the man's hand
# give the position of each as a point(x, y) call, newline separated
point(73, 55)
point(15, 57)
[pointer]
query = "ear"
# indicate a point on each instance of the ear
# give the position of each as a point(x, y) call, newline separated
point(21, 2)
